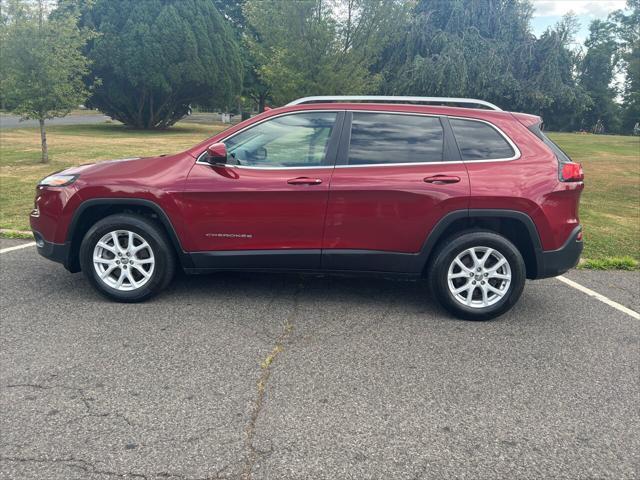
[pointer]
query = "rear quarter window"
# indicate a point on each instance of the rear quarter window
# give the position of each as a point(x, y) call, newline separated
point(480, 141)
point(538, 131)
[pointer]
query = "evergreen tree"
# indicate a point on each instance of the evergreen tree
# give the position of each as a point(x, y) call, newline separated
point(551, 77)
point(461, 48)
point(157, 57)
point(485, 49)
point(596, 77)
point(628, 27)
point(253, 86)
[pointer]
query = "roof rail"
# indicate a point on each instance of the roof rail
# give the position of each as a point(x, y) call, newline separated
point(391, 98)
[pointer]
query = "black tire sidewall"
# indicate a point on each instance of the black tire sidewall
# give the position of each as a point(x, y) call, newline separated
point(438, 274)
point(164, 262)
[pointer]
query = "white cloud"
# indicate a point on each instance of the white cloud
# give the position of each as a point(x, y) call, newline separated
point(589, 8)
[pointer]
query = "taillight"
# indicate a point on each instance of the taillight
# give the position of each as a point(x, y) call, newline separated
point(571, 172)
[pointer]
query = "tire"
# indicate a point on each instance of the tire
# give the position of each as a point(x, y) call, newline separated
point(494, 289)
point(150, 268)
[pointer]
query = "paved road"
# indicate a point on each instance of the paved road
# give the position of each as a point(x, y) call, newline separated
point(11, 121)
point(362, 379)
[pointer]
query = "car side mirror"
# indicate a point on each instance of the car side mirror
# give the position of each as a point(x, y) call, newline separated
point(217, 154)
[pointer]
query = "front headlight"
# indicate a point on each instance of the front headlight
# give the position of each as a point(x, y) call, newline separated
point(57, 180)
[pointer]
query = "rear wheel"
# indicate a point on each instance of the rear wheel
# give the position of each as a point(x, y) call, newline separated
point(127, 258)
point(477, 275)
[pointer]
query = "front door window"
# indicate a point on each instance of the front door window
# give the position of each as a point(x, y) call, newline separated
point(290, 141)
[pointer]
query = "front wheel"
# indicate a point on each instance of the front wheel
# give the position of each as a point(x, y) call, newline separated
point(127, 257)
point(477, 275)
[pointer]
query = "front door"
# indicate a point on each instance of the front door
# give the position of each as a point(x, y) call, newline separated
point(266, 208)
point(396, 177)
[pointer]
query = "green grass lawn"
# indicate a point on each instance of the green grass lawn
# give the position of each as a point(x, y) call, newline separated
point(610, 207)
point(20, 167)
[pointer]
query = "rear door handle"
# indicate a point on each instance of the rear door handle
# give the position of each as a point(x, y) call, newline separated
point(304, 181)
point(442, 179)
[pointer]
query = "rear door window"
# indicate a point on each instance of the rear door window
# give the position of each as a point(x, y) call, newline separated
point(480, 141)
point(382, 138)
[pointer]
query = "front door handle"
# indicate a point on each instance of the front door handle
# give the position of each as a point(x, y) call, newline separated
point(304, 181)
point(442, 179)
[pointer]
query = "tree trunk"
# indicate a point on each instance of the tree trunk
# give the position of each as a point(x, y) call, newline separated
point(261, 103)
point(43, 139)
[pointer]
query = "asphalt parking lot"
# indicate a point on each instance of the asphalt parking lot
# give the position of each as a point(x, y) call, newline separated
point(282, 376)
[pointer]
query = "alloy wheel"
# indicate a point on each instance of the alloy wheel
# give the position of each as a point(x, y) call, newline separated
point(123, 260)
point(479, 277)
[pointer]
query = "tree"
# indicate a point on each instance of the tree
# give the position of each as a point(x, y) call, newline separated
point(628, 27)
point(552, 76)
point(252, 86)
point(231, 10)
point(483, 49)
point(308, 47)
point(157, 57)
point(596, 77)
point(462, 48)
point(43, 64)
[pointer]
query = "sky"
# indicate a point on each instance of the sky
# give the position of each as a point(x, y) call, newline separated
point(549, 12)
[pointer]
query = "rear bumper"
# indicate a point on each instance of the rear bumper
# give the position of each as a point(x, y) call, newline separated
point(57, 252)
point(556, 262)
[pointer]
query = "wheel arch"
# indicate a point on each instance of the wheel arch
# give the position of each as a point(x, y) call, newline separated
point(516, 226)
point(93, 210)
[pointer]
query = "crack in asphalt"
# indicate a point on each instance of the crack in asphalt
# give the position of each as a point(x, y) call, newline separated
point(28, 385)
point(72, 462)
point(86, 401)
point(88, 467)
point(251, 452)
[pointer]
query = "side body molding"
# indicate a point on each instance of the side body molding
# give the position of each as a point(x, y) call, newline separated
point(415, 263)
point(333, 260)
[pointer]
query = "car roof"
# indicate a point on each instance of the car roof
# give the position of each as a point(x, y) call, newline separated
point(480, 113)
point(395, 99)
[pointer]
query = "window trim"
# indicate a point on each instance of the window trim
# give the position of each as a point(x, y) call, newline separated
point(344, 144)
point(342, 136)
point(343, 156)
point(332, 148)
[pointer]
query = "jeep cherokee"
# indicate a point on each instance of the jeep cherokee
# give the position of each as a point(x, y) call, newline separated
point(473, 198)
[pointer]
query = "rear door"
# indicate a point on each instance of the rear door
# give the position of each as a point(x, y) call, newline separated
point(396, 176)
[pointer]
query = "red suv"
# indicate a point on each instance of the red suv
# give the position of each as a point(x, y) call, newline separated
point(474, 199)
